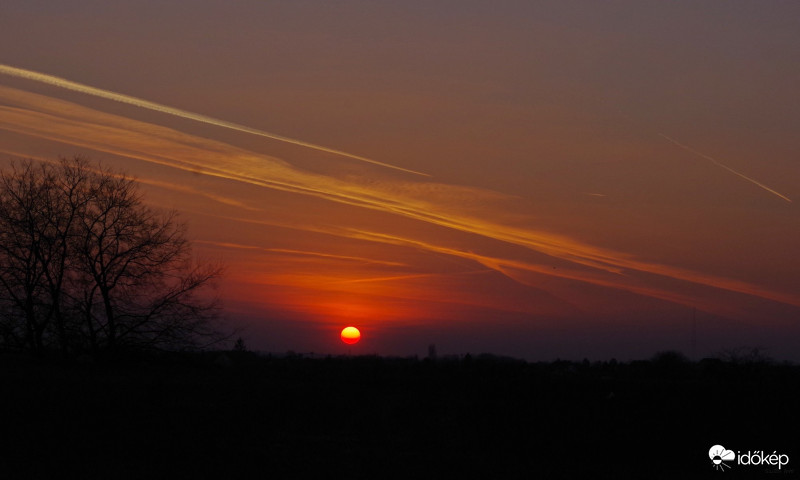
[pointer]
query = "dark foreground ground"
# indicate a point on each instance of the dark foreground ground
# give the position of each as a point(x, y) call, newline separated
point(367, 417)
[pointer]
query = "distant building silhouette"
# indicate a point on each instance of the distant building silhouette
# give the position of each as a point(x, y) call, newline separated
point(432, 351)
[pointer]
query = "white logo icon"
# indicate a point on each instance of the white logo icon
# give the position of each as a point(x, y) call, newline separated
point(718, 455)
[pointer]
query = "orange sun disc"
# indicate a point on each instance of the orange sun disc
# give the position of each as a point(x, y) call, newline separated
point(350, 335)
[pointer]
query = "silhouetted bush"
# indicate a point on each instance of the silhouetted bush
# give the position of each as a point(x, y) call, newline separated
point(745, 356)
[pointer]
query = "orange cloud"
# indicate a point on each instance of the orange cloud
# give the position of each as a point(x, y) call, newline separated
point(375, 206)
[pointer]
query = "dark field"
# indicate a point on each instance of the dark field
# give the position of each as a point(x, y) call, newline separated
point(186, 416)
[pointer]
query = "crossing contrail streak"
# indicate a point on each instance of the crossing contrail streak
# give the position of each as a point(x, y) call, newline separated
point(719, 164)
point(138, 102)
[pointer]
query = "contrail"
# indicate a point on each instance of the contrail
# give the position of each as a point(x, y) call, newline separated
point(138, 102)
point(719, 164)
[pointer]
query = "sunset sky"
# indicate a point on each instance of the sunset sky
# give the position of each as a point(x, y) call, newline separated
point(536, 179)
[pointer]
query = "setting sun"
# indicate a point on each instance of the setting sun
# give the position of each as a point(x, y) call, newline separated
point(350, 335)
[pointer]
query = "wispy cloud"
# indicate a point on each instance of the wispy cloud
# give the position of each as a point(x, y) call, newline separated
point(157, 107)
point(429, 203)
point(602, 277)
point(729, 169)
point(302, 253)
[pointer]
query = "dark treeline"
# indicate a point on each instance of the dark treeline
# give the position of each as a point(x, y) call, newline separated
point(238, 414)
point(87, 266)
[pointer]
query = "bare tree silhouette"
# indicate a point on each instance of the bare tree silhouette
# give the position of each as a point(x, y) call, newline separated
point(86, 265)
point(24, 254)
